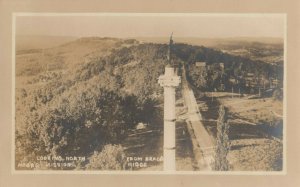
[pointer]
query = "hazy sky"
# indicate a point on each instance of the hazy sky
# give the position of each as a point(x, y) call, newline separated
point(153, 25)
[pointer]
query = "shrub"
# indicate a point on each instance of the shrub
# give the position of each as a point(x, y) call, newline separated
point(112, 157)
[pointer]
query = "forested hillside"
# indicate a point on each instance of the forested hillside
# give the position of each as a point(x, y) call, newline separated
point(80, 104)
point(78, 97)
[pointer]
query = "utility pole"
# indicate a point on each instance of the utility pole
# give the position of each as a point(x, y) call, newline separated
point(169, 81)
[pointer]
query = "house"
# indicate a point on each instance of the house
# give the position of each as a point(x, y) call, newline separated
point(250, 79)
point(233, 80)
point(200, 64)
point(222, 65)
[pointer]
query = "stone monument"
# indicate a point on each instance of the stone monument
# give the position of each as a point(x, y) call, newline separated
point(169, 81)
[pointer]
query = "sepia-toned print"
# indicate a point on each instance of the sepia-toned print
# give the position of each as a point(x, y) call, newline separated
point(149, 93)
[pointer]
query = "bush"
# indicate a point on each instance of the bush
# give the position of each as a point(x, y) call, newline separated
point(112, 157)
point(278, 94)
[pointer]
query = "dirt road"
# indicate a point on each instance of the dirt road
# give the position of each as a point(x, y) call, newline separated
point(202, 141)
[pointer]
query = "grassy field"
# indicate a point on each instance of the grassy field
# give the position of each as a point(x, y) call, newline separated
point(255, 130)
point(253, 110)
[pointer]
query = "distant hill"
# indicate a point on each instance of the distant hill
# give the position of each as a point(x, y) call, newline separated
point(266, 49)
point(26, 42)
point(212, 42)
point(67, 55)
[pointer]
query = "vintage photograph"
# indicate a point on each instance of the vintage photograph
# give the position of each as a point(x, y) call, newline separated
point(149, 92)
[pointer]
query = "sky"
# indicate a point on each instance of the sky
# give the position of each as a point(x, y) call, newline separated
point(152, 25)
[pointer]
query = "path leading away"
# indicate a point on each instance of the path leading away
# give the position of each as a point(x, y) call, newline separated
point(203, 146)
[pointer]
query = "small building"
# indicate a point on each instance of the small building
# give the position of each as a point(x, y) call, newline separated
point(274, 83)
point(200, 64)
point(250, 80)
point(141, 126)
point(233, 80)
point(250, 76)
point(222, 65)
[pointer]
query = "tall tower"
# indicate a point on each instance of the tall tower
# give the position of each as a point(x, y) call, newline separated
point(169, 81)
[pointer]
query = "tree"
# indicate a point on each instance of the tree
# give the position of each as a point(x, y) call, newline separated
point(199, 76)
point(223, 144)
